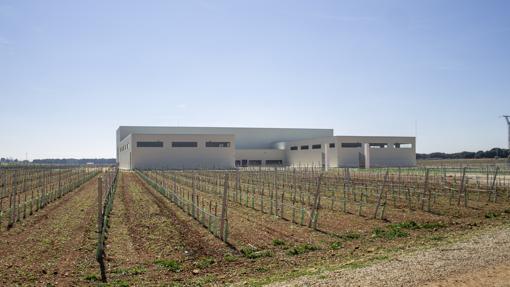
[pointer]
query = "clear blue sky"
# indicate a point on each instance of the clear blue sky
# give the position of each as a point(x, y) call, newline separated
point(72, 71)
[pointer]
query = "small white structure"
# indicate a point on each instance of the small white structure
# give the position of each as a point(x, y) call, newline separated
point(223, 148)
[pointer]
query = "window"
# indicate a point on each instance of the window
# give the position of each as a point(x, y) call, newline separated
point(217, 144)
point(304, 147)
point(403, 145)
point(184, 144)
point(332, 145)
point(378, 145)
point(293, 148)
point(238, 162)
point(274, 162)
point(149, 144)
point(351, 145)
point(316, 146)
point(254, 162)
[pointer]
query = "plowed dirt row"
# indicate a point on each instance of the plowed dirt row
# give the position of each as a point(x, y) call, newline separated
point(50, 246)
point(148, 231)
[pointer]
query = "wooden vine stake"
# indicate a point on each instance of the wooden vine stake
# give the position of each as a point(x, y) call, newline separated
point(224, 210)
point(379, 196)
point(494, 194)
point(100, 253)
point(314, 214)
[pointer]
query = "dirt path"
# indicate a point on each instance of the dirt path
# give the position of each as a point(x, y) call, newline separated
point(495, 276)
point(479, 261)
point(47, 247)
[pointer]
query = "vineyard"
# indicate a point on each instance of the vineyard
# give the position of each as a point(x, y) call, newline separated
point(206, 227)
point(24, 191)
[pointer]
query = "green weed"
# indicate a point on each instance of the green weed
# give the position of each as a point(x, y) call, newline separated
point(302, 248)
point(278, 242)
point(205, 262)
point(391, 233)
point(229, 257)
point(336, 245)
point(253, 253)
point(348, 236)
point(171, 265)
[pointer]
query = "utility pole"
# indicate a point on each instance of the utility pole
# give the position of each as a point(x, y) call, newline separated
point(508, 122)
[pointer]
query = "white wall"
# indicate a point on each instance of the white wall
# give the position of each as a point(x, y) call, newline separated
point(349, 157)
point(311, 157)
point(124, 154)
point(379, 157)
point(170, 157)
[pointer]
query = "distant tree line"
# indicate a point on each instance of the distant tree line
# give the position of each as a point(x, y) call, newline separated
point(8, 160)
point(493, 153)
point(74, 161)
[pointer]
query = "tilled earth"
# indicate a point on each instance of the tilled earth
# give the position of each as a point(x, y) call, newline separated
point(146, 229)
point(52, 246)
point(151, 241)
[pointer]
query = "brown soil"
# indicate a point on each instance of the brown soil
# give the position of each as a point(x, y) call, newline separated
point(146, 228)
point(57, 244)
point(47, 246)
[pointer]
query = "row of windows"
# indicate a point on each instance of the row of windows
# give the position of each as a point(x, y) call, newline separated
point(191, 144)
point(124, 147)
point(258, 162)
point(314, 146)
point(353, 145)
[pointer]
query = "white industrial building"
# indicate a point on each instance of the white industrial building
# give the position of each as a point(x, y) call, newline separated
point(222, 148)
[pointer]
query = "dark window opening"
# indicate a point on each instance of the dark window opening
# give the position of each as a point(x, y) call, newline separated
point(255, 162)
point(403, 145)
point(378, 145)
point(293, 148)
point(316, 146)
point(149, 144)
point(184, 144)
point(238, 162)
point(217, 144)
point(304, 147)
point(351, 145)
point(332, 145)
point(274, 162)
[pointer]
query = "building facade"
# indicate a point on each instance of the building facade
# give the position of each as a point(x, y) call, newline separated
point(224, 148)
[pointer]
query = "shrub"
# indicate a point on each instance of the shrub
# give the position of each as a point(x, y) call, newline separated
point(278, 242)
